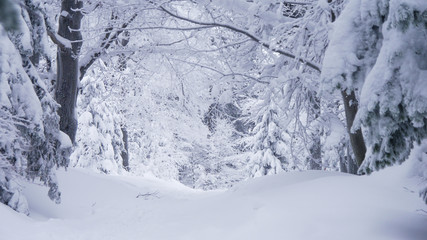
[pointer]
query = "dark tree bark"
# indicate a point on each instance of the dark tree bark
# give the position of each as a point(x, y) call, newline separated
point(69, 70)
point(351, 163)
point(125, 152)
point(356, 137)
point(68, 65)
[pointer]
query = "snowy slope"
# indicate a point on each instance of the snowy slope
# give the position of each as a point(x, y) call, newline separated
point(299, 205)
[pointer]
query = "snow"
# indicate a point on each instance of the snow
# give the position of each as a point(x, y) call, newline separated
point(65, 140)
point(298, 205)
point(341, 58)
point(66, 42)
point(337, 132)
point(64, 13)
point(20, 91)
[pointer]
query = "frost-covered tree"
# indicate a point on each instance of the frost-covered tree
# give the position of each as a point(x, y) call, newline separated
point(291, 29)
point(266, 141)
point(99, 139)
point(393, 96)
point(378, 50)
point(31, 144)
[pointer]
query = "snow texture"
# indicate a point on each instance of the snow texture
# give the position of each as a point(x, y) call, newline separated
point(298, 205)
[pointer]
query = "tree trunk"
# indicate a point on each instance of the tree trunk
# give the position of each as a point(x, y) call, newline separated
point(125, 152)
point(356, 138)
point(347, 164)
point(315, 161)
point(343, 157)
point(352, 165)
point(343, 164)
point(68, 65)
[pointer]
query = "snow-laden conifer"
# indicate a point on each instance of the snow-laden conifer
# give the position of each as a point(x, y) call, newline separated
point(31, 144)
point(378, 49)
point(99, 135)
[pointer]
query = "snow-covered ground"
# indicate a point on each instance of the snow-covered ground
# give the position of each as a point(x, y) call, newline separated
point(300, 205)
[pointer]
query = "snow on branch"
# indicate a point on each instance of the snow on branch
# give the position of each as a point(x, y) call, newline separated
point(232, 74)
point(56, 39)
point(59, 41)
point(310, 64)
point(297, 3)
point(106, 43)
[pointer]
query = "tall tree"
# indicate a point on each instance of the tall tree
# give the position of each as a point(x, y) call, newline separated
point(71, 66)
point(68, 74)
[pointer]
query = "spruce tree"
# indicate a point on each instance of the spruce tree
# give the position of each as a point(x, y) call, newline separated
point(31, 144)
point(378, 50)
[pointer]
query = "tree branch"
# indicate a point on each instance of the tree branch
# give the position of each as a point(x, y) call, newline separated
point(310, 64)
point(106, 43)
point(298, 3)
point(224, 74)
point(59, 41)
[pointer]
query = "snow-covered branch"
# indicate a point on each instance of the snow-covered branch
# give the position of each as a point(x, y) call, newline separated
point(310, 64)
point(59, 41)
point(109, 38)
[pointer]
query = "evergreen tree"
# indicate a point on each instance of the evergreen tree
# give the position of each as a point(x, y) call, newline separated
point(31, 144)
point(379, 50)
point(393, 97)
point(267, 139)
point(99, 134)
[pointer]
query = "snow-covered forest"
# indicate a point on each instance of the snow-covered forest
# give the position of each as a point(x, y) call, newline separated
point(141, 119)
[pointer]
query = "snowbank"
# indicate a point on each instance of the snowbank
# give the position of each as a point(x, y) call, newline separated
point(299, 205)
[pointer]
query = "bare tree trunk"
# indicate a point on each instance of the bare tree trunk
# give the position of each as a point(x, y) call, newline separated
point(125, 152)
point(347, 163)
point(343, 164)
point(315, 161)
point(352, 165)
point(356, 138)
point(343, 157)
point(68, 65)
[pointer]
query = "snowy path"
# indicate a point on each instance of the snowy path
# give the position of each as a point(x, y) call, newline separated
point(304, 205)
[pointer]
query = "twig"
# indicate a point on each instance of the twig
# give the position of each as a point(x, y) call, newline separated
point(147, 195)
point(310, 64)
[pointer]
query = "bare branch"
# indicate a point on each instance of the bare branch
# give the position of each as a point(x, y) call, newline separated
point(148, 195)
point(232, 74)
point(170, 44)
point(297, 3)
